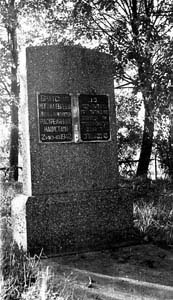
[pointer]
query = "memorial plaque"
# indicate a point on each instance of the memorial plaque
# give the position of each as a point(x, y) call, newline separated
point(94, 117)
point(55, 118)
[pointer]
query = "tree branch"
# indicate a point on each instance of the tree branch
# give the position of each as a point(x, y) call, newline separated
point(124, 86)
point(6, 88)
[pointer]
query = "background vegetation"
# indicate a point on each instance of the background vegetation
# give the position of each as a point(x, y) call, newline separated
point(138, 34)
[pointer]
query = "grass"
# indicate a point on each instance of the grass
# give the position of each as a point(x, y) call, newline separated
point(20, 272)
point(25, 279)
point(23, 276)
point(153, 215)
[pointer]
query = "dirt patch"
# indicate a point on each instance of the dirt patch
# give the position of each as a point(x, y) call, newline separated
point(138, 271)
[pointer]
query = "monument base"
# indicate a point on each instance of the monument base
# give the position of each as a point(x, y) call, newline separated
point(75, 221)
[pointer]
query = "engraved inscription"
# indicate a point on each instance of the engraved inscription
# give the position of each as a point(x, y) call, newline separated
point(55, 117)
point(94, 117)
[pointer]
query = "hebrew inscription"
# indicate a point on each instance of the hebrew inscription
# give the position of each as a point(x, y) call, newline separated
point(94, 117)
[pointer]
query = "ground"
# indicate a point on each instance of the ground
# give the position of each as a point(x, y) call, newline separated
point(137, 272)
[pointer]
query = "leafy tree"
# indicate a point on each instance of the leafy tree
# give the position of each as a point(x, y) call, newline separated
point(129, 132)
point(162, 142)
point(13, 15)
point(136, 33)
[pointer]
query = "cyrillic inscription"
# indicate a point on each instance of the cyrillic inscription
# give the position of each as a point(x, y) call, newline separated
point(55, 117)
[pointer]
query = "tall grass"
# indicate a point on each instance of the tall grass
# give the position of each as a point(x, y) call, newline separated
point(18, 270)
point(23, 277)
point(155, 220)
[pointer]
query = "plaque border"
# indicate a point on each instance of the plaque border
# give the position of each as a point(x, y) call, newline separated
point(72, 97)
point(97, 141)
point(38, 123)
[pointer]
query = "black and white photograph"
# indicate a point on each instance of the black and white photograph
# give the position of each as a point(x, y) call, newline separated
point(86, 149)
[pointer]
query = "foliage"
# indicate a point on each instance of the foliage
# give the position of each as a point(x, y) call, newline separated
point(5, 97)
point(162, 142)
point(153, 216)
point(45, 288)
point(38, 23)
point(163, 148)
point(15, 19)
point(20, 272)
point(136, 33)
point(43, 23)
point(129, 131)
point(24, 277)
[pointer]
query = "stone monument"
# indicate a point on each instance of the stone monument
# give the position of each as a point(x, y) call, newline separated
point(69, 150)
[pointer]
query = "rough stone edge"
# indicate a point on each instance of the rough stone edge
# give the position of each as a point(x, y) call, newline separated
point(18, 216)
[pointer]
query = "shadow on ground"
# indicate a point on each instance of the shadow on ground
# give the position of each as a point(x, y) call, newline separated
point(133, 272)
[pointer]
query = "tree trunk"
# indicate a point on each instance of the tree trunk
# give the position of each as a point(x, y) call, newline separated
point(14, 138)
point(14, 143)
point(147, 142)
point(170, 170)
